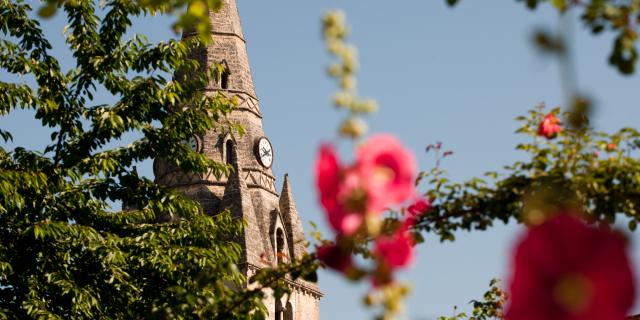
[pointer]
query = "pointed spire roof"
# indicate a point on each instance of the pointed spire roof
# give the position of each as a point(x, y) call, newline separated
point(226, 22)
point(292, 220)
point(286, 196)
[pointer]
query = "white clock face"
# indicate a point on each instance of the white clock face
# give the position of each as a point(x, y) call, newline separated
point(264, 152)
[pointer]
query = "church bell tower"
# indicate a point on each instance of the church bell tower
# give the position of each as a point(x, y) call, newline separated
point(274, 232)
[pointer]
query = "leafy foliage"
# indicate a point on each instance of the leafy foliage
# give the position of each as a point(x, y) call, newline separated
point(64, 251)
point(590, 171)
point(620, 17)
point(195, 18)
point(489, 308)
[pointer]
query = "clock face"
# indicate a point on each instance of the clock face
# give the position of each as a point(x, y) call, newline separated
point(264, 152)
point(192, 143)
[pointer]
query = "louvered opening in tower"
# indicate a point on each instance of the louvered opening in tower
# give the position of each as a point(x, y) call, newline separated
point(280, 255)
point(228, 150)
point(224, 80)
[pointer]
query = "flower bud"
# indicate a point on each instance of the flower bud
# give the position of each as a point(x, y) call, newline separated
point(334, 70)
point(353, 128)
point(348, 83)
point(342, 99)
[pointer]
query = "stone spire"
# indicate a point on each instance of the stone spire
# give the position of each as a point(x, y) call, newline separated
point(228, 49)
point(292, 220)
point(273, 232)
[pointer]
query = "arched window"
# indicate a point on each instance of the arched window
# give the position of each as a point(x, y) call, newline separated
point(228, 151)
point(280, 254)
point(224, 80)
point(222, 77)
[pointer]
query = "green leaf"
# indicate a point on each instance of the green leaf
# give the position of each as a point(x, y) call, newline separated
point(48, 10)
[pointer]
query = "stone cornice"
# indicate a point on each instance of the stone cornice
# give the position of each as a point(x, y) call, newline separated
point(253, 177)
point(300, 286)
point(249, 103)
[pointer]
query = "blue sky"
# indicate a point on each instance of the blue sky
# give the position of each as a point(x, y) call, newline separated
point(457, 75)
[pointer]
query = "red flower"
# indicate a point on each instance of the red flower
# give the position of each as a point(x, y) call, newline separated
point(566, 270)
point(550, 126)
point(396, 250)
point(612, 147)
point(419, 207)
point(334, 257)
point(388, 170)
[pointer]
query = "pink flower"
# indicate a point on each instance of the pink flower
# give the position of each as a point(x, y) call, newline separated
point(566, 270)
point(550, 126)
point(388, 170)
point(335, 194)
point(334, 257)
point(396, 251)
point(327, 171)
point(419, 207)
point(382, 175)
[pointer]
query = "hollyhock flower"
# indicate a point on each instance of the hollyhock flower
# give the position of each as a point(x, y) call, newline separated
point(419, 207)
point(334, 257)
point(382, 175)
point(327, 171)
point(396, 250)
point(388, 170)
point(335, 194)
point(550, 126)
point(566, 270)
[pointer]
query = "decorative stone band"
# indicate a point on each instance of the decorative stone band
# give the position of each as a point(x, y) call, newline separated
point(228, 34)
point(246, 101)
point(297, 285)
point(253, 177)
